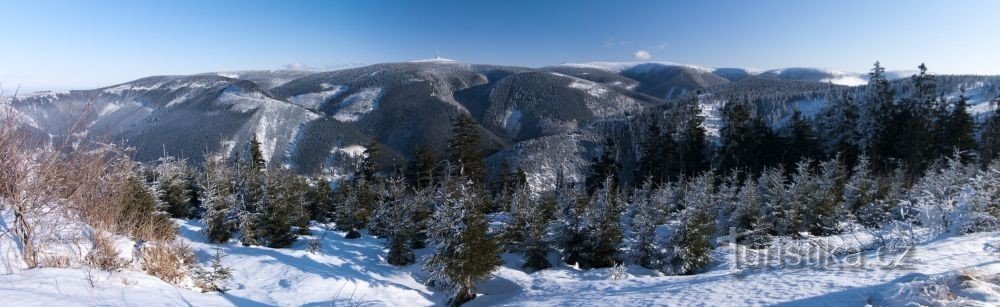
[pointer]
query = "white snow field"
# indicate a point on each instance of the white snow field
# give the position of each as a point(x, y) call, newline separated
point(959, 271)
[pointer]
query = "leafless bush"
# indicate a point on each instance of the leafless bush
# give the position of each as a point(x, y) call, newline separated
point(168, 262)
point(104, 256)
point(50, 189)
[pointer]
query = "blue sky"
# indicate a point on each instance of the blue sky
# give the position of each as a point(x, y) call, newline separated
point(85, 44)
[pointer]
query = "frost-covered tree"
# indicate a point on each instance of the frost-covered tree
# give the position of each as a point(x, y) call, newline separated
point(355, 204)
point(530, 217)
point(691, 243)
point(824, 216)
point(838, 126)
point(319, 200)
point(175, 182)
point(604, 167)
point(801, 142)
point(602, 227)
point(989, 134)
point(219, 200)
point(463, 252)
point(935, 197)
point(286, 195)
point(776, 202)
point(568, 228)
point(464, 149)
point(750, 215)
point(957, 130)
point(744, 138)
point(395, 213)
point(878, 112)
point(645, 210)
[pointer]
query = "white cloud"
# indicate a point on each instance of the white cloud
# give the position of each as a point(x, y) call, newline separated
point(642, 55)
point(661, 46)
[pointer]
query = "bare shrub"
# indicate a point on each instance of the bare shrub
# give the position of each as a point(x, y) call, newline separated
point(168, 262)
point(104, 256)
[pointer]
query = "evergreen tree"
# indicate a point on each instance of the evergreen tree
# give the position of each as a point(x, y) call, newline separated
point(691, 243)
point(802, 143)
point(646, 214)
point(421, 169)
point(958, 130)
point(989, 135)
point(176, 186)
point(750, 215)
point(877, 117)
point(354, 207)
point(465, 149)
point(691, 139)
point(319, 200)
point(568, 228)
point(657, 154)
point(830, 186)
point(219, 200)
point(860, 189)
point(745, 138)
point(776, 202)
point(602, 227)
point(603, 168)
point(257, 161)
point(839, 129)
point(530, 218)
point(396, 212)
point(251, 198)
point(369, 165)
point(463, 251)
point(285, 194)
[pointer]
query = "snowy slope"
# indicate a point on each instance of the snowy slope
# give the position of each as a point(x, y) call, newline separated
point(353, 272)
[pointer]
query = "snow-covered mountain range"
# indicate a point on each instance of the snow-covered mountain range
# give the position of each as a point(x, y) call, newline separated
point(303, 118)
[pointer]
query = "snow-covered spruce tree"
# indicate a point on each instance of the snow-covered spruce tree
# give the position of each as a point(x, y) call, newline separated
point(803, 191)
point(691, 139)
point(750, 216)
point(394, 213)
point(860, 190)
point(251, 198)
point(889, 191)
point(602, 227)
point(645, 214)
point(175, 182)
point(354, 206)
point(464, 149)
point(989, 135)
point(319, 200)
point(286, 195)
point(218, 197)
point(568, 228)
point(691, 243)
point(776, 201)
point(744, 138)
point(530, 217)
point(934, 198)
point(726, 203)
point(603, 167)
point(656, 155)
point(878, 112)
point(420, 171)
point(463, 253)
point(983, 206)
point(825, 215)
point(801, 142)
point(958, 130)
point(838, 128)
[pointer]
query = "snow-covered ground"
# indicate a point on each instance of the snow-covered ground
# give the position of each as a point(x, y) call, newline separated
point(961, 270)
